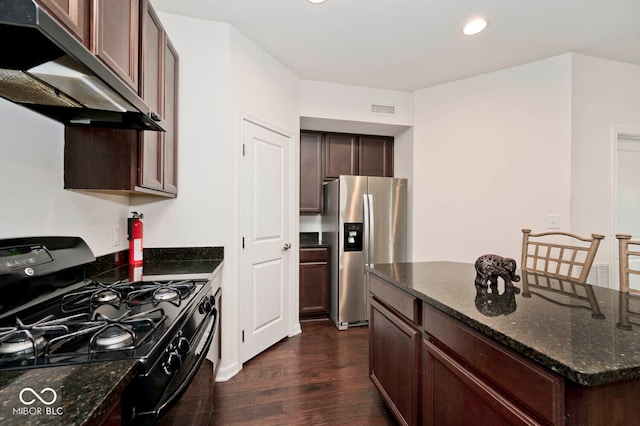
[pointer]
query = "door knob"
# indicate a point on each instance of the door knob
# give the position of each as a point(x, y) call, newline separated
point(286, 247)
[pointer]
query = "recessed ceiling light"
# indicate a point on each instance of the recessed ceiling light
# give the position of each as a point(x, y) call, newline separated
point(316, 1)
point(474, 27)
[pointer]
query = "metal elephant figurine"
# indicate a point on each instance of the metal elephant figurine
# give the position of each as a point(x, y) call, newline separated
point(491, 266)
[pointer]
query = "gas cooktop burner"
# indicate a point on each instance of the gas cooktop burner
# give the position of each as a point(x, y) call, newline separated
point(22, 344)
point(114, 337)
point(33, 339)
point(106, 296)
point(166, 294)
point(128, 331)
point(155, 292)
point(95, 293)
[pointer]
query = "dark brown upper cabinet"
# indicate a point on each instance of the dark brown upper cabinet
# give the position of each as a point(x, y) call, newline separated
point(73, 14)
point(132, 161)
point(375, 154)
point(341, 155)
point(115, 37)
point(311, 172)
point(151, 90)
point(325, 156)
point(360, 155)
point(171, 61)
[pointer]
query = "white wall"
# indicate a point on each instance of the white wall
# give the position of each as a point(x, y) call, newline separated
point(32, 199)
point(264, 90)
point(197, 216)
point(605, 97)
point(492, 155)
point(223, 76)
point(403, 168)
point(344, 108)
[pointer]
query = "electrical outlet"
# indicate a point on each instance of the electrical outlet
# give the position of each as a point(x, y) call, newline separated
point(553, 221)
point(115, 235)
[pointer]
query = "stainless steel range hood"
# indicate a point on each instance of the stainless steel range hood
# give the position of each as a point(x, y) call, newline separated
point(46, 69)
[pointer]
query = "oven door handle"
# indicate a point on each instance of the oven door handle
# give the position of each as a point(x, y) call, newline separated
point(164, 406)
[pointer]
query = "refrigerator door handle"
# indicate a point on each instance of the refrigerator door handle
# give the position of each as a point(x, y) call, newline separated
point(370, 233)
point(365, 233)
point(368, 226)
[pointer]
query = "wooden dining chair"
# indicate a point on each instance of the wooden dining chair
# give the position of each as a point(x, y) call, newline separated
point(559, 254)
point(628, 249)
point(629, 264)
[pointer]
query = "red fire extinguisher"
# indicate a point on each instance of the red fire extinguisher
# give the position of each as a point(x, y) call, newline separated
point(134, 228)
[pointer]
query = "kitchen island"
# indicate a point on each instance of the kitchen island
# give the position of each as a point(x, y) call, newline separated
point(545, 351)
point(86, 393)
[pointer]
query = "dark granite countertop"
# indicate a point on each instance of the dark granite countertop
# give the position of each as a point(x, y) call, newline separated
point(583, 333)
point(311, 240)
point(313, 246)
point(166, 270)
point(85, 392)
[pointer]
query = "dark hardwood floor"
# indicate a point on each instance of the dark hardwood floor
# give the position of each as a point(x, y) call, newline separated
point(319, 377)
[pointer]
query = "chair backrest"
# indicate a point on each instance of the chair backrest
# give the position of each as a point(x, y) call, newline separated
point(559, 254)
point(628, 251)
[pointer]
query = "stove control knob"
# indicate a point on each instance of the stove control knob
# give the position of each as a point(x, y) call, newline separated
point(171, 363)
point(205, 306)
point(183, 346)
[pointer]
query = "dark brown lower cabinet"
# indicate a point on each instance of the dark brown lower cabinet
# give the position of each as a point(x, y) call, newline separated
point(314, 283)
point(453, 394)
point(394, 355)
point(432, 369)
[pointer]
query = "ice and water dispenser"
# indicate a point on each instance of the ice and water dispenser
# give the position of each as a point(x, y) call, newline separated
point(353, 236)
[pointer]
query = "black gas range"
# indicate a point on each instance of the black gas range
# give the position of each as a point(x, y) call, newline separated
point(52, 314)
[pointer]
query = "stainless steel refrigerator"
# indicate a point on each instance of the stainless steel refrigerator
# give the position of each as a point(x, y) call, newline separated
point(364, 222)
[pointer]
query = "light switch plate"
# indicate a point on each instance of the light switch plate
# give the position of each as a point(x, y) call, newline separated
point(553, 221)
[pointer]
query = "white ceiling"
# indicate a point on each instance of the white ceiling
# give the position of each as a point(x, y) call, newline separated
point(413, 44)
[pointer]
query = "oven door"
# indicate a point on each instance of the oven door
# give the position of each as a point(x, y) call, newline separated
point(167, 379)
point(193, 362)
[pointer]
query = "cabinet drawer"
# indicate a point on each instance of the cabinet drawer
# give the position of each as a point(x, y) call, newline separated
point(314, 255)
point(540, 391)
point(402, 302)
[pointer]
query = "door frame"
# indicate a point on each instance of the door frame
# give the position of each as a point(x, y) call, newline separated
point(616, 134)
point(293, 228)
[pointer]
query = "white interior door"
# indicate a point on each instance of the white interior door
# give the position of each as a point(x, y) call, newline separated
point(266, 259)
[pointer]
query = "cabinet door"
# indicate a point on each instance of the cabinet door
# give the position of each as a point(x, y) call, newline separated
point(171, 116)
point(394, 356)
point(310, 172)
point(314, 283)
point(115, 37)
point(100, 159)
point(375, 154)
point(341, 155)
point(454, 394)
point(152, 92)
point(73, 14)
point(151, 76)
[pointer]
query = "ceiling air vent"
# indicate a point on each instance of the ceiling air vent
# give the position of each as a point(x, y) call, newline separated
point(383, 109)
